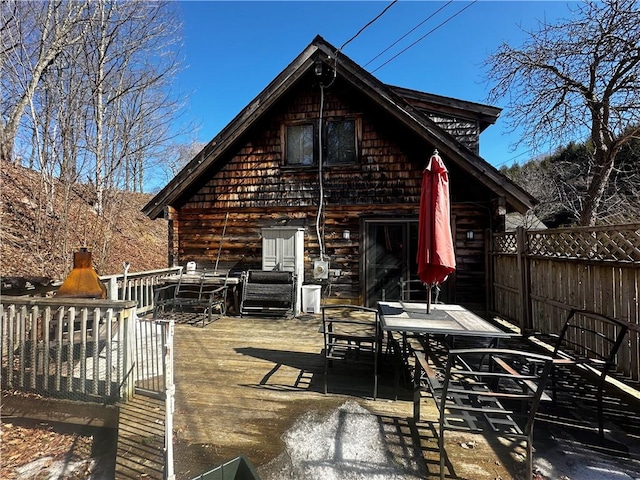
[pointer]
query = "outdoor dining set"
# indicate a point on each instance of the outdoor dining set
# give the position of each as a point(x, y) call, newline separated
point(463, 363)
point(447, 354)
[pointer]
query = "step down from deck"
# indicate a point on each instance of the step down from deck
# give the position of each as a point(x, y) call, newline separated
point(140, 449)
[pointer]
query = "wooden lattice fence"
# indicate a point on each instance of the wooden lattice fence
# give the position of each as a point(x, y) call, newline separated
point(537, 276)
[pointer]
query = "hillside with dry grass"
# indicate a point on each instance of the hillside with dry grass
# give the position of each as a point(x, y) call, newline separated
point(41, 226)
point(40, 229)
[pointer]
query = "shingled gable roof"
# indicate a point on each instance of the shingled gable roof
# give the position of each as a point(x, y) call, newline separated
point(486, 115)
point(389, 98)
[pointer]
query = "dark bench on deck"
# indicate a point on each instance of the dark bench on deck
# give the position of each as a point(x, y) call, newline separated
point(266, 292)
point(199, 294)
point(475, 393)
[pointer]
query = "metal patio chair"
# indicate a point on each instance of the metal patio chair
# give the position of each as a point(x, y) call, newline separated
point(589, 341)
point(485, 390)
point(352, 336)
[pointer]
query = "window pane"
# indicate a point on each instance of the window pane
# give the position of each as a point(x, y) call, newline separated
point(341, 142)
point(300, 144)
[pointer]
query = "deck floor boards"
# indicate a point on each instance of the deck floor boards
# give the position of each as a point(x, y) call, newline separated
point(241, 383)
point(140, 446)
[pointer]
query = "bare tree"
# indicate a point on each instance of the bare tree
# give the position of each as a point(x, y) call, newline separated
point(560, 181)
point(131, 66)
point(34, 34)
point(573, 80)
point(534, 176)
point(86, 98)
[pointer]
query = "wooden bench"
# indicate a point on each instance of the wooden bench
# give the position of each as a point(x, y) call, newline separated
point(475, 393)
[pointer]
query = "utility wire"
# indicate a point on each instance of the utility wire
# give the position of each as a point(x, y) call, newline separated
point(425, 35)
point(504, 162)
point(408, 33)
point(367, 25)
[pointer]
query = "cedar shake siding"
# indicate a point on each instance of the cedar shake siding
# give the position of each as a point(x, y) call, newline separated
point(241, 183)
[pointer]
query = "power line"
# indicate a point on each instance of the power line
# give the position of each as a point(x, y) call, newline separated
point(424, 36)
point(368, 24)
point(408, 33)
point(513, 158)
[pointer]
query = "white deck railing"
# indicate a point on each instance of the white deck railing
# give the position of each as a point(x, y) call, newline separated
point(137, 286)
point(80, 349)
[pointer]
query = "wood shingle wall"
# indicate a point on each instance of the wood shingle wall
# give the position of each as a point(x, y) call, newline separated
point(256, 190)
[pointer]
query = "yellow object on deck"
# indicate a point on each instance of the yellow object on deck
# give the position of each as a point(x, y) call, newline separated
point(83, 281)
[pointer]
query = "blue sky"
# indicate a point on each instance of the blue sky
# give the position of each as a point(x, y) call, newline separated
point(234, 49)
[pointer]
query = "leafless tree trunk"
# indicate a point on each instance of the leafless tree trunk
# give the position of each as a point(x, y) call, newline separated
point(34, 34)
point(131, 110)
point(577, 79)
point(85, 92)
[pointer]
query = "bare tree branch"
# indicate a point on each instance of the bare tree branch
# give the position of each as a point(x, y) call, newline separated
point(575, 80)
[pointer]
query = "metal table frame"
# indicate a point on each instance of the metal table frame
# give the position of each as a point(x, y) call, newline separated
point(444, 319)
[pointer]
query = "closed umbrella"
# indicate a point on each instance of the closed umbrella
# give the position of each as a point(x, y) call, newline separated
point(436, 259)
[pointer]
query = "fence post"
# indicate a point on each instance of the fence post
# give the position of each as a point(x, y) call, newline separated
point(112, 288)
point(131, 370)
point(488, 275)
point(169, 399)
point(526, 324)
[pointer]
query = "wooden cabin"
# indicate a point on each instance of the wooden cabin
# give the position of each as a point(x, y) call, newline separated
point(334, 158)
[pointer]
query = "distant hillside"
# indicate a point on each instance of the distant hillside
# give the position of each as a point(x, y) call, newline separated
point(39, 232)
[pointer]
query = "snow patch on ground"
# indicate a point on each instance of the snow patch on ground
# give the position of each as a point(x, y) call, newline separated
point(49, 469)
point(348, 444)
point(565, 459)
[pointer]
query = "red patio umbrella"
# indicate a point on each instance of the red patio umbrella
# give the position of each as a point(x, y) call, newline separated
point(436, 259)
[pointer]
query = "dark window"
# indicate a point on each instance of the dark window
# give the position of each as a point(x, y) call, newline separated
point(341, 142)
point(300, 144)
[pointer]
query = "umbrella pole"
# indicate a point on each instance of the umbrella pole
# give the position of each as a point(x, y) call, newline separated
point(429, 298)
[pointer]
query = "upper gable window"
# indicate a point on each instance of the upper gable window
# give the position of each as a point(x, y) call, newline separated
point(300, 144)
point(341, 142)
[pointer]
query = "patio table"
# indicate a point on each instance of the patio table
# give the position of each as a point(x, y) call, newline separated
point(443, 319)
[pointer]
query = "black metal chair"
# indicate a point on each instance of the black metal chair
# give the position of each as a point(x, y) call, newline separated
point(416, 290)
point(485, 390)
point(590, 341)
point(352, 336)
point(212, 297)
point(164, 296)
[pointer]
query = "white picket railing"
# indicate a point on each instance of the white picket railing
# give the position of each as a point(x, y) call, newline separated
point(81, 349)
point(137, 286)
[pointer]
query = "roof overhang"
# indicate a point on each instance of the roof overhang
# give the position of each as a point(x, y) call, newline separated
point(388, 98)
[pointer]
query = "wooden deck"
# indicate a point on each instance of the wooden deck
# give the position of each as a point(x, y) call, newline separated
point(140, 448)
point(241, 383)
